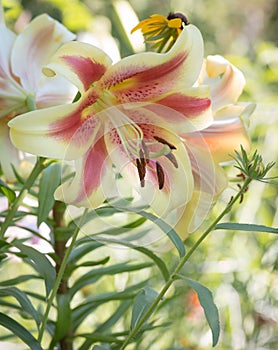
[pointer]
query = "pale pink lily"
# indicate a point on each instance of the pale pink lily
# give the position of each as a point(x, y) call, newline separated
point(22, 84)
point(217, 143)
point(128, 115)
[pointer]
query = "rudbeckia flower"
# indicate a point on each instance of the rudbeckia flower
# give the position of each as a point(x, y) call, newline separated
point(214, 145)
point(128, 117)
point(22, 84)
point(160, 31)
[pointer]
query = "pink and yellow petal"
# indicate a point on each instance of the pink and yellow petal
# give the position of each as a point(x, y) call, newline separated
point(225, 135)
point(227, 81)
point(33, 48)
point(194, 105)
point(146, 76)
point(209, 181)
point(80, 63)
point(55, 132)
point(89, 188)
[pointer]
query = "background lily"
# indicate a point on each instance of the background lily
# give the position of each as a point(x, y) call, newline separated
point(128, 115)
point(22, 84)
point(215, 145)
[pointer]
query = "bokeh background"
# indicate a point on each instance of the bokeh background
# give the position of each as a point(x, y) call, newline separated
point(240, 268)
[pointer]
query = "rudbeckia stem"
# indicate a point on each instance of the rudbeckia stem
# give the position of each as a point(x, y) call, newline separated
point(183, 260)
point(38, 168)
point(60, 276)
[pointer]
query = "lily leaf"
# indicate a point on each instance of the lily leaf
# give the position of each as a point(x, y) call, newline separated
point(207, 303)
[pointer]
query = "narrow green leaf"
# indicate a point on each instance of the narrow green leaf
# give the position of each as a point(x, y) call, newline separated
point(101, 347)
point(93, 275)
point(80, 252)
point(245, 227)
point(206, 301)
point(141, 305)
point(63, 323)
point(166, 228)
point(7, 192)
point(20, 332)
point(85, 309)
point(157, 260)
point(49, 181)
point(17, 280)
point(40, 263)
point(23, 300)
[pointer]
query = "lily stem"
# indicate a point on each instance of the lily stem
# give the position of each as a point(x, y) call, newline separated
point(183, 260)
point(60, 276)
point(39, 166)
point(59, 209)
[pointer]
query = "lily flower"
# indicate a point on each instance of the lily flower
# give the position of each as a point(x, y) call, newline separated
point(215, 145)
point(128, 116)
point(160, 31)
point(22, 84)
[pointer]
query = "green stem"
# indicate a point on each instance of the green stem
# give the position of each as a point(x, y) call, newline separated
point(181, 264)
point(39, 166)
point(60, 276)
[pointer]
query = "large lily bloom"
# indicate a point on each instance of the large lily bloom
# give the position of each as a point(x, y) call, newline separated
point(128, 115)
point(22, 84)
point(215, 145)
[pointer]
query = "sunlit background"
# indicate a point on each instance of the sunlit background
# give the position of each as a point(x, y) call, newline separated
point(240, 268)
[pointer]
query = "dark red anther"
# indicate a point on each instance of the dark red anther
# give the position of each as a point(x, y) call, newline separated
point(160, 175)
point(172, 159)
point(164, 142)
point(141, 171)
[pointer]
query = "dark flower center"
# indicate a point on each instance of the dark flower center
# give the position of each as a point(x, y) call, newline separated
point(179, 15)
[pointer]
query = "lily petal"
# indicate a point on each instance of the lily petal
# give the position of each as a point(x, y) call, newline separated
point(89, 185)
point(193, 105)
point(9, 155)
point(55, 132)
point(81, 63)
point(33, 48)
point(209, 181)
point(146, 76)
point(7, 41)
point(54, 91)
point(227, 88)
point(225, 135)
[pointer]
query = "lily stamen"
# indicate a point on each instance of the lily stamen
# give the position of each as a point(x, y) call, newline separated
point(161, 140)
point(172, 159)
point(160, 175)
point(141, 167)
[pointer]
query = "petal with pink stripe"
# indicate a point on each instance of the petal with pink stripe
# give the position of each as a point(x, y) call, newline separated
point(88, 188)
point(63, 132)
point(146, 76)
point(81, 63)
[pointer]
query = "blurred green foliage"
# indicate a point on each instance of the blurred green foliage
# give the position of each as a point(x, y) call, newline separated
point(240, 268)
